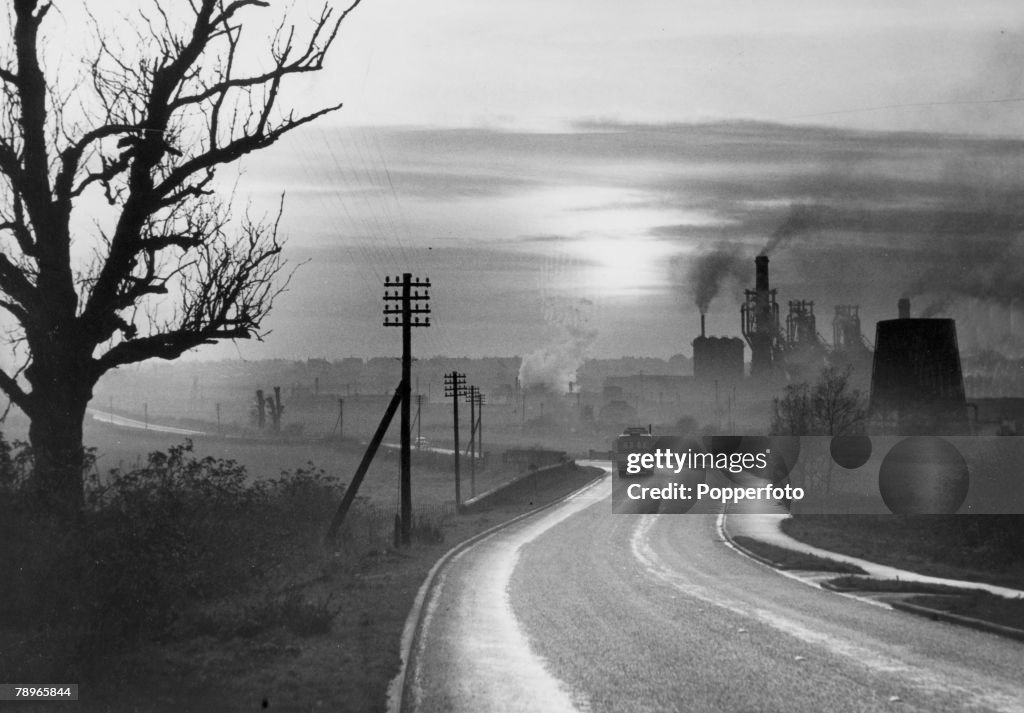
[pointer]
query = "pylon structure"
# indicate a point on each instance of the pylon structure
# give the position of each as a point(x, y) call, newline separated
point(404, 303)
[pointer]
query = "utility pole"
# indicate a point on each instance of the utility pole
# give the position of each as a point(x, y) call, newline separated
point(480, 400)
point(471, 396)
point(419, 423)
point(403, 305)
point(341, 419)
point(455, 387)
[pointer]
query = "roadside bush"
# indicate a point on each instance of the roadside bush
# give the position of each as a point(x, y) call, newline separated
point(155, 543)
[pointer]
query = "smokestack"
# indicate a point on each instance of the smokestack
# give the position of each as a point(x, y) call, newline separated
point(761, 273)
point(904, 307)
point(702, 324)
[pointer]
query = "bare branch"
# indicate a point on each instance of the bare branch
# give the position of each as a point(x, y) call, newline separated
point(235, 150)
point(71, 157)
point(15, 393)
point(14, 283)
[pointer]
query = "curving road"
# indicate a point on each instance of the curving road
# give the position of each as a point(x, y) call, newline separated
point(579, 609)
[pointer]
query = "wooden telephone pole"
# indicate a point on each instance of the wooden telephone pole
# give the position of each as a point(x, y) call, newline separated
point(476, 403)
point(403, 305)
point(455, 387)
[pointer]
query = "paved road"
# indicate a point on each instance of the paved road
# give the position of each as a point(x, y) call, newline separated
point(125, 422)
point(579, 609)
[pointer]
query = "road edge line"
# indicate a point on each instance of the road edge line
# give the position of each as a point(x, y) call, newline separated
point(891, 604)
point(726, 538)
point(411, 631)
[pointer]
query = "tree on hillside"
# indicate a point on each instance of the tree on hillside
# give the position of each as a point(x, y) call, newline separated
point(122, 160)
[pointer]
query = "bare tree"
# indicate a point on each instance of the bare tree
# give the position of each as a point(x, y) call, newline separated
point(829, 407)
point(141, 134)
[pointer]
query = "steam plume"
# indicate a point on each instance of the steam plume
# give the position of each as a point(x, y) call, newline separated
point(554, 366)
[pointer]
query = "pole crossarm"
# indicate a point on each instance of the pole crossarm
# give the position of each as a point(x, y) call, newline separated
point(404, 303)
point(454, 384)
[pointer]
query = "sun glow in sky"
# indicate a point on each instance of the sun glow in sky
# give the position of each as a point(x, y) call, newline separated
point(591, 149)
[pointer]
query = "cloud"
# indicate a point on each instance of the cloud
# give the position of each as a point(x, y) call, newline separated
point(851, 217)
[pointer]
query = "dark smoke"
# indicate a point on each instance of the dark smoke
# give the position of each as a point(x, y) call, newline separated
point(802, 218)
point(708, 271)
point(983, 272)
point(938, 306)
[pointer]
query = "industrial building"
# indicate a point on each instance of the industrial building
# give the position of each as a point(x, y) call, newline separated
point(717, 358)
point(917, 384)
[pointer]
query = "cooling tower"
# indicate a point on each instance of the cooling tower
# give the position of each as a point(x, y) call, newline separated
point(917, 386)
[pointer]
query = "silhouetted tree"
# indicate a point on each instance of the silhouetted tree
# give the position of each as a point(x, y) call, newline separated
point(829, 407)
point(140, 133)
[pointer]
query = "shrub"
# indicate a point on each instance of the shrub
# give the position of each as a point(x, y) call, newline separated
point(155, 544)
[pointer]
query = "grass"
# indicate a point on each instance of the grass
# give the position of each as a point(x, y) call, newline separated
point(188, 585)
point(972, 603)
point(899, 586)
point(265, 459)
point(980, 605)
point(984, 548)
point(790, 559)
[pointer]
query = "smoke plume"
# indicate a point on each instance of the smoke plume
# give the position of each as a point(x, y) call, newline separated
point(802, 218)
point(710, 270)
point(554, 366)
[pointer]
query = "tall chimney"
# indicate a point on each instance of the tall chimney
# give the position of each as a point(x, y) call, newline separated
point(904, 307)
point(761, 273)
point(702, 324)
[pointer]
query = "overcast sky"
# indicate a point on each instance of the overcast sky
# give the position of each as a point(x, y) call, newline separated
point(558, 169)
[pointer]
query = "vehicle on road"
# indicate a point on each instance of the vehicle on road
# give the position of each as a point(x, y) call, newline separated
point(635, 439)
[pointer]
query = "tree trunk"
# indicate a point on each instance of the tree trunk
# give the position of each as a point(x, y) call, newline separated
point(56, 437)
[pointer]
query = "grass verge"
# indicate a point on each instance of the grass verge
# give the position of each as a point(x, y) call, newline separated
point(971, 603)
point(790, 559)
point(980, 605)
point(185, 586)
point(896, 586)
point(982, 548)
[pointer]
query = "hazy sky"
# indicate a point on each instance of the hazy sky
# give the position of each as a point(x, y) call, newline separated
point(558, 168)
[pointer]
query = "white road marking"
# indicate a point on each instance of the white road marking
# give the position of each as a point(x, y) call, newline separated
point(494, 668)
point(908, 674)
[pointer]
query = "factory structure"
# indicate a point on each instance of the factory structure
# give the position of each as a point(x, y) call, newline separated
point(912, 372)
point(792, 349)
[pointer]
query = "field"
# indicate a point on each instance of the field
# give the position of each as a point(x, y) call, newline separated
point(205, 585)
point(266, 458)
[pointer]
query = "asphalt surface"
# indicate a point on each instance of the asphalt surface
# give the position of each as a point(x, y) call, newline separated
point(580, 609)
point(125, 422)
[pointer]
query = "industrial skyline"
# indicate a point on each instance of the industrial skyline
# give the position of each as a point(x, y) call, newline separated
point(571, 163)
